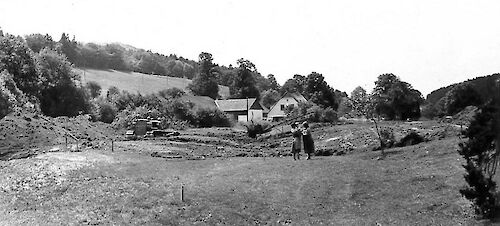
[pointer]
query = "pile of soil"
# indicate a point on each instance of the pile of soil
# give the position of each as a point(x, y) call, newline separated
point(25, 134)
point(466, 115)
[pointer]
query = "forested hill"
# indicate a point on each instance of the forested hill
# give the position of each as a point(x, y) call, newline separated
point(127, 58)
point(485, 87)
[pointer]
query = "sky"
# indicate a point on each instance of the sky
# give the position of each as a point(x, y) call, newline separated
point(427, 43)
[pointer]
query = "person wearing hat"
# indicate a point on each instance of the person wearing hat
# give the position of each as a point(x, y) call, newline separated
point(297, 141)
point(308, 140)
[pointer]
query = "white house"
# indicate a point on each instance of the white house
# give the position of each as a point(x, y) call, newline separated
point(277, 111)
point(242, 110)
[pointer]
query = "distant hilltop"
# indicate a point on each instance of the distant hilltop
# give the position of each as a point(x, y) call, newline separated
point(484, 85)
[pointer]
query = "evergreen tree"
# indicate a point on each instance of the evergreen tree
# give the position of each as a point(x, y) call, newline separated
point(479, 152)
point(205, 82)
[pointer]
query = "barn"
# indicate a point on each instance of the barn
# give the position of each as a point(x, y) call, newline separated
point(242, 110)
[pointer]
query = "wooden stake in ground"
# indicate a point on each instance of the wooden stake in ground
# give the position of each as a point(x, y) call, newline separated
point(182, 193)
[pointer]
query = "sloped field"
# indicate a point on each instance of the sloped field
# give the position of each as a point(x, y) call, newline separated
point(135, 82)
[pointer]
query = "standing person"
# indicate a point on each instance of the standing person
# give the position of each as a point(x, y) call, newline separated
point(297, 141)
point(308, 140)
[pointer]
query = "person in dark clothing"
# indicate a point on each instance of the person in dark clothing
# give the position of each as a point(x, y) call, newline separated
point(297, 141)
point(308, 140)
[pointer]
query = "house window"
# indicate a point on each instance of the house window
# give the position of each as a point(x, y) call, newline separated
point(282, 107)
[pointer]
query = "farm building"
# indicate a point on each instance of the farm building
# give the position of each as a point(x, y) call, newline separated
point(277, 111)
point(242, 110)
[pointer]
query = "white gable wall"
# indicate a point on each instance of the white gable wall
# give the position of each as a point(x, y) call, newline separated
point(278, 109)
point(253, 115)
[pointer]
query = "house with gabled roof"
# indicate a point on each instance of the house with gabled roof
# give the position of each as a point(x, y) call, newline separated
point(242, 110)
point(277, 111)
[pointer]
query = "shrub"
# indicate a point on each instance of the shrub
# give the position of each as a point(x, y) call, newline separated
point(94, 89)
point(171, 93)
point(103, 111)
point(211, 117)
point(387, 136)
point(256, 128)
point(322, 115)
point(411, 138)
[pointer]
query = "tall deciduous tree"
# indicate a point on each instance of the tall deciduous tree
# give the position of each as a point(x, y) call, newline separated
point(60, 94)
point(269, 97)
point(273, 84)
point(295, 84)
point(244, 83)
point(395, 99)
point(18, 60)
point(37, 42)
point(319, 92)
point(205, 82)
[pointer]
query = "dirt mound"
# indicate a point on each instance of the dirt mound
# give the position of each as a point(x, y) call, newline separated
point(25, 134)
point(465, 116)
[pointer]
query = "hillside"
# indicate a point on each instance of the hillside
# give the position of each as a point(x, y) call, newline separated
point(485, 86)
point(135, 82)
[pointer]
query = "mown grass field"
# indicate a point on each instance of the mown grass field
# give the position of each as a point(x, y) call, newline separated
point(135, 82)
point(414, 185)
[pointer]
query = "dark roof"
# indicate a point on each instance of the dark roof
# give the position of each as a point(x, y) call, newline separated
point(238, 104)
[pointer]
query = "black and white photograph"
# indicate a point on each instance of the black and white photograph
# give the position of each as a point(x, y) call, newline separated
point(232, 112)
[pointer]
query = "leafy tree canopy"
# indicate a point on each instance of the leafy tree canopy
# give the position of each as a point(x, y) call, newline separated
point(205, 82)
point(318, 91)
point(459, 97)
point(244, 83)
point(18, 60)
point(395, 99)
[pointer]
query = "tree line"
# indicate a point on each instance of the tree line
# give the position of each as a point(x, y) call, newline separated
point(43, 69)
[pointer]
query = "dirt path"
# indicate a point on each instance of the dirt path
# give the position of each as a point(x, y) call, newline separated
point(417, 186)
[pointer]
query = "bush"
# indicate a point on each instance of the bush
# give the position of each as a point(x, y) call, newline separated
point(172, 93)
point(94, 89)
point(387, 136)
point(64, 100)
point(256, 128)
point(103, 111)
point(211, 117)
point(411, 138)
point(323, 115)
